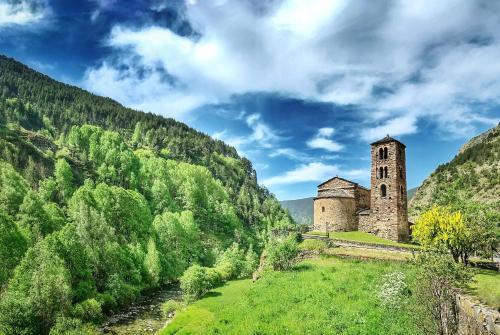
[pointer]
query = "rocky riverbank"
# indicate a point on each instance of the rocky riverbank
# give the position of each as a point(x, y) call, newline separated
point(142, 317)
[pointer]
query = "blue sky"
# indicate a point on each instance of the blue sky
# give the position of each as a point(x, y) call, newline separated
point(299, 87)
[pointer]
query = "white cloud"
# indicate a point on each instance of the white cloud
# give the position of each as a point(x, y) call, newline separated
point(331, 51)
point(22, 12)
point(325, 144)
point(261, 135)
point(261, 132)
point(312, 172)
point(326, 132)
point(323, 141)
point(395, 127)
point(150, 93)
point(102, 5)
point(291, 154)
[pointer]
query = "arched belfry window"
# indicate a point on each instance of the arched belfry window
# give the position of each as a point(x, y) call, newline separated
point(385, 153)
point(385, 173)
point(381, 172)
point(381, 153)
point(383, 191)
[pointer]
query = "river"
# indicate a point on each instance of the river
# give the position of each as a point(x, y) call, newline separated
point(143, 316)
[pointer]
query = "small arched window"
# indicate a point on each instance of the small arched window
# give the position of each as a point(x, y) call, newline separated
point(381, 172)
point(385, 153)
point(401, 188)
point(322, 209)
point(385, 173)
point(401, 172)
point(383, 191)
point(381, 153)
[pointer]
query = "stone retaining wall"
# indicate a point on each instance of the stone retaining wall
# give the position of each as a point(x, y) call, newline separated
point(475, 318)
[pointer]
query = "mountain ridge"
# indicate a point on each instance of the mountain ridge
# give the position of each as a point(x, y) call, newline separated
point(63, 105)
point(472, 173)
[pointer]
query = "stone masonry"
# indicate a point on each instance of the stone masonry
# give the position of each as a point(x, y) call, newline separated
point(337, 201)
point(342, 205)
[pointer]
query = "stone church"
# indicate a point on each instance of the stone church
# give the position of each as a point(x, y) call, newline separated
point(343, 205)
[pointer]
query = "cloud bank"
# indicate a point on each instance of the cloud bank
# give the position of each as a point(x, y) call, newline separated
point(399, 61)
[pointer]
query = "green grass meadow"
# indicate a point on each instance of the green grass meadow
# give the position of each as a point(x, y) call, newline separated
point(487, 287)
point(325, 295)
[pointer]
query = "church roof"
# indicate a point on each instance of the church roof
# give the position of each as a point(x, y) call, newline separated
point(337, 177)
point(335, 193)
point(387, 139)
point(346, 180)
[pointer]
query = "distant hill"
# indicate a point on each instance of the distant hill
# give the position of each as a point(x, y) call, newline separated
point(473, 172)
point(300, 209)
point(411, 192)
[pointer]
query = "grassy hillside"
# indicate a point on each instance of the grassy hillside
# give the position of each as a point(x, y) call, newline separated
point(320, 296)
point(301, 210)
point(473, 173)
point(100, 203)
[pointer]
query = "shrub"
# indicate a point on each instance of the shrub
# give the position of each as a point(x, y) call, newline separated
point(393, 289)
point(88, 310)
point(170, 306)
point(214, 277)
point(17, 315)
point(69, 326)
point(441, 227)
point(313, 245)
point(281, 253)
point(196, 281)
point(231, 262)
point(122, 292)
point(251, 263)
point(107, 302)
point(436, 286)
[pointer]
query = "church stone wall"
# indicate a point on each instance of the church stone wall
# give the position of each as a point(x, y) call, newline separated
point(389, 213)
point(362, 198)
point(336, 214)
point(365, 223)
point(339, 200)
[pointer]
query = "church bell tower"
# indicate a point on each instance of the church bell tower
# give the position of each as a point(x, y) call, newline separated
point(389, 203)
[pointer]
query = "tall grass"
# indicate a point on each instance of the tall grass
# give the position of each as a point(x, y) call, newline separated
point(487, 287)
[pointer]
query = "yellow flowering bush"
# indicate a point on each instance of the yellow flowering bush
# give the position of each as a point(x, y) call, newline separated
point(441, 227)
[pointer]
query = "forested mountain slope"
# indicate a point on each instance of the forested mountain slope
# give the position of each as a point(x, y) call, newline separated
point(99, 203)
point(473, 173)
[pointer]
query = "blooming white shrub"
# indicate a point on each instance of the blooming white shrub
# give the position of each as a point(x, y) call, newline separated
point(393, 289)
